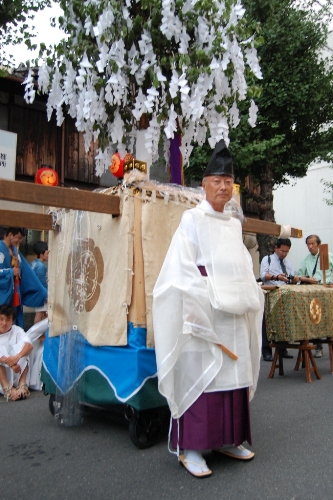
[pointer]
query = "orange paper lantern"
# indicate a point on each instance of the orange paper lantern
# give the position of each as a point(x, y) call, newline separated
point(46, 176)
point(117, 165)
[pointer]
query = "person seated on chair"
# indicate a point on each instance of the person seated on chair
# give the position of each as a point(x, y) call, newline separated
point(15, 348)
point(311, 274)
point(276, 269)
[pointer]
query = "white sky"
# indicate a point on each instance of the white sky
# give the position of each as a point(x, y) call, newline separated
point(44, 33)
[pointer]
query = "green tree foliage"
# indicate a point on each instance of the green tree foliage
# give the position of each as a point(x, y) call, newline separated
point(295, 107)
point(14, 28)
point(328, 190)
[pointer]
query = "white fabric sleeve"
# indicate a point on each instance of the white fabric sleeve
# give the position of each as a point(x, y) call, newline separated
point(264, 268)
point(187, 356)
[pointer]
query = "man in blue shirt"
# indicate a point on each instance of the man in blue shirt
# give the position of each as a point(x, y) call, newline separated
point(18, 284)
point(276, 269)
point(39, 267)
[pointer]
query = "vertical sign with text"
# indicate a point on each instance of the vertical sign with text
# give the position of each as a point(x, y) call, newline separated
point(8, 142)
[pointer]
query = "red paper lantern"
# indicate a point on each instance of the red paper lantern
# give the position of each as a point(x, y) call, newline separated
point(46, 176)
point(117, 165)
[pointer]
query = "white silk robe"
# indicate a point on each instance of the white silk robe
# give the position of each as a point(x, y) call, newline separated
point(193, 314)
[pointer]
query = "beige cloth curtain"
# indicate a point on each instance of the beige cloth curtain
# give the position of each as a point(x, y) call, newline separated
point(90, 274)
point(159, 223)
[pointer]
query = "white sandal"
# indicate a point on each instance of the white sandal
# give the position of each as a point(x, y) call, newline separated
point(23, 391)
point(7, 392)
point(238, 452)
point(205, 472)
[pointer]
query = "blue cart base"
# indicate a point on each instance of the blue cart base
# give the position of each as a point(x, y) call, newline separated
point(116, 379)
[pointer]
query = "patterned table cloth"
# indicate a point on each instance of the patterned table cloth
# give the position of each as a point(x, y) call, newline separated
point(299, 312)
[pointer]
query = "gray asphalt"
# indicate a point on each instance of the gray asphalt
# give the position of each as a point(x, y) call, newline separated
point(292, 436)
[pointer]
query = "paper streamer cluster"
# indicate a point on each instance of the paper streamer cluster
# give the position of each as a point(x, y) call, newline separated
point(107, 84)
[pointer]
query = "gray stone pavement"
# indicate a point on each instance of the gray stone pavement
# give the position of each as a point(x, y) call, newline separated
point(292, 435)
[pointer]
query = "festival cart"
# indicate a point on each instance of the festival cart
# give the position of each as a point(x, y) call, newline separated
point(106, 251)
point(102, 269)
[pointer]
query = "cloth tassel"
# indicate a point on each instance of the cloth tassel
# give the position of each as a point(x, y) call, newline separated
point(176, 161)
point(16, 297)
point(169, 439)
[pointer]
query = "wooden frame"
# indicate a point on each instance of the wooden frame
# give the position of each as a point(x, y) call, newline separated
point(76, 199)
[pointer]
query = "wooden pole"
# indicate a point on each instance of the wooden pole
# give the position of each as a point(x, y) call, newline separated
point(30, 220)
point(59, 197)
point(137, 308)
point(264, 227)
point(324, 260)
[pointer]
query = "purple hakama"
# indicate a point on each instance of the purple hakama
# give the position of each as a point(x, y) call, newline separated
point(214, 420)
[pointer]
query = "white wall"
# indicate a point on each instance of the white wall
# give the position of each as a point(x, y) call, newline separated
point(301, 204)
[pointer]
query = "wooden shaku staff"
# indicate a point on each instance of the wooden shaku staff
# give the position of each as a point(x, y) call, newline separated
point(226, 350)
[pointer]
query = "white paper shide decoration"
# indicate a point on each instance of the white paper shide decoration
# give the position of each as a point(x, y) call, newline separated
point(177, 76)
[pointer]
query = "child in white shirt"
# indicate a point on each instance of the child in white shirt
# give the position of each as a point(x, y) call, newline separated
point(15, 348)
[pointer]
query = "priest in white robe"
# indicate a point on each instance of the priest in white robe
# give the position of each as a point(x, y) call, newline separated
point(207, 314)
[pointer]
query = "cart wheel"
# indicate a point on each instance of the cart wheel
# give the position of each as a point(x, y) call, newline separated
point(55, 404)
point(144, 432)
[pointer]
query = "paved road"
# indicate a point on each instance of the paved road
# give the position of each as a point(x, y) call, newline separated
point(292, 436)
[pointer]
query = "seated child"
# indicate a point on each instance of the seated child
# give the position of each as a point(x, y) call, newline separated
point(15, 348)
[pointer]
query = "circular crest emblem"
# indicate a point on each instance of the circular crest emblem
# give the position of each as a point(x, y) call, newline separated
point(85, 270)
point(315, 311)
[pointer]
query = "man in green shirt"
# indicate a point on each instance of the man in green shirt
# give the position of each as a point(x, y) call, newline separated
point(310, 273)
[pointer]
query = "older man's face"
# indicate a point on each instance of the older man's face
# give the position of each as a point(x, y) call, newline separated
point(312, 245)
point(218, 189)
